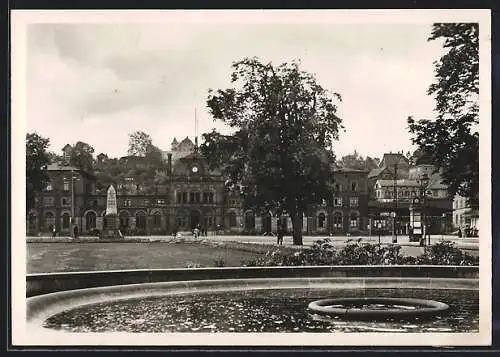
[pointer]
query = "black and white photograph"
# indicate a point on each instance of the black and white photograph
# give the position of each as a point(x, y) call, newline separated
point(251, 178)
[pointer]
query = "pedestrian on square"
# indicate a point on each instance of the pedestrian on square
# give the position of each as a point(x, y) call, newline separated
point(196, 232)
point(75, 231)
point(280, 234)
point(53, 231)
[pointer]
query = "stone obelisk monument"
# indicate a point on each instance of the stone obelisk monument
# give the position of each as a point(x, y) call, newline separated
point(111, 221)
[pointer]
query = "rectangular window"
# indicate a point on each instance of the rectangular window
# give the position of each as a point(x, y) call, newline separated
point(197, 197)
point(65, 201)
point(191, 197)
point(337, 201)
point(160, 202)
point(128, 203)
point(48, 201)
point(210, 197)
point(48, 187)
point(354, 186)
point(354, 222)
point(179, 197)
point(66, 186)
point(184, 197)
point(353, 201)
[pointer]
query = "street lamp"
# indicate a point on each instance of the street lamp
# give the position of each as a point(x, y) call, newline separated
point(394, 229)
point(72, 220)
point(423, 183)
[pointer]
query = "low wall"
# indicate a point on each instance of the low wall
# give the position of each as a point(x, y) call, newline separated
point(39, 284)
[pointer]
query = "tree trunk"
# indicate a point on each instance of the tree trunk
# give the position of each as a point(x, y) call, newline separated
point(297, 229)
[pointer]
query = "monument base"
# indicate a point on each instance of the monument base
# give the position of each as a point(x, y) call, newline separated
point(110, 227)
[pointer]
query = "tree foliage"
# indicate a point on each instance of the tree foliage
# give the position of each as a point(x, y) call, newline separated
point(82, 156)
point(285, 123)
point(37, 160)
point(139, 143)
point(451, 141)
point(357, 162)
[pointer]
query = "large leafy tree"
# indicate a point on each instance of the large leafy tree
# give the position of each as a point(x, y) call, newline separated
point(37, 160)
point(451, 141)
point(82, 156)
point(139, 143)
point(285, 123)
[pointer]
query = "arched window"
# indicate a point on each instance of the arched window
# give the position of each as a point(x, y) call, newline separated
point(337, 220)
point(90, 220)
point(321, 220)
point(354, 220)
point(157, 219)
point(140, 220)
point(232, 219)
point(249, 221)
point(124, 220)
point(50, 220)
point(181, 221)
point(32, 221)
point(65, 221)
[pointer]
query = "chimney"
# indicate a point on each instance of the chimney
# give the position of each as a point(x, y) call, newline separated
point(169, 163)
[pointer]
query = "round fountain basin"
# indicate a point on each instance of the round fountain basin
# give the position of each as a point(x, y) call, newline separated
point(256, 304)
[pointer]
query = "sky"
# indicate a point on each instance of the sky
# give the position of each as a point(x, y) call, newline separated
point(99, 82)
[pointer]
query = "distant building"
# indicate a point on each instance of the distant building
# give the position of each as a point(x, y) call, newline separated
point(67, 149)
point(179, 149)
point(396, 162)
point(188, 193)
point(54, 204)
point(465, 213)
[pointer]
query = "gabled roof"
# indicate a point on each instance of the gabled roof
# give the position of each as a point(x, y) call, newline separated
point(57, 167)
point(174, 142)
point(66, 146)
point(391, 159)
point(376, 172)
point(186, 141)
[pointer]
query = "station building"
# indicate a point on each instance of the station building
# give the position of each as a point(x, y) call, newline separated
point(191, 194)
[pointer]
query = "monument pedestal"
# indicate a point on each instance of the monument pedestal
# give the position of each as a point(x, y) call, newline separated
point(110, 227)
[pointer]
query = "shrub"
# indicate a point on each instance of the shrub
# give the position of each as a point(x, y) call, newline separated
point(446, 253)
point(219, 262)
point(192, 265)
point(357, 253)
point(322, 252)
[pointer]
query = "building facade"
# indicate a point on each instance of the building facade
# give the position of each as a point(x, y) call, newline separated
point(190, 194)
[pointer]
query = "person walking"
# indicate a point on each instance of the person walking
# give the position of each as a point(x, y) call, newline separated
point(280, 234)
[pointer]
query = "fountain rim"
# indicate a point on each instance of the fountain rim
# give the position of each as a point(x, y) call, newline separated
point(326, 307)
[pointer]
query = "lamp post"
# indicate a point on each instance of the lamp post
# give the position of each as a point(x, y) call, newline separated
point(72, 220)
point(423, 182)
point(394, 220)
